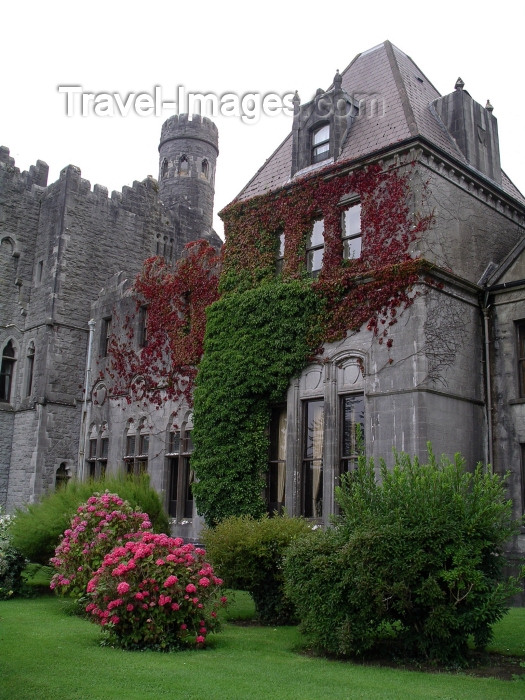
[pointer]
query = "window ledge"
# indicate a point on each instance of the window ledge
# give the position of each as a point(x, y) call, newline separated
point(516, 402)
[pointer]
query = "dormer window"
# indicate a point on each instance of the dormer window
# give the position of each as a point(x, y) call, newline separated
point(321, 126)
point(321, 143)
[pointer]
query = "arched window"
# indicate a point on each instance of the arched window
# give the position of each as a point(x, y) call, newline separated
point(30, 363)
point(205, 168)
point(62, 476)
point(184, 166)
point(7, 371)
point(164, 168)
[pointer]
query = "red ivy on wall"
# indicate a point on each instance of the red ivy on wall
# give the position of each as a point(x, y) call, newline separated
point(176, 300)
point(367, 290)
point(371, 289)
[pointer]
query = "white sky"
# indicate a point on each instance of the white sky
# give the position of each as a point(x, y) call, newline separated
point(270, 47)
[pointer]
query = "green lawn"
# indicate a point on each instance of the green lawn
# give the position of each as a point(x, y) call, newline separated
point(46, 653)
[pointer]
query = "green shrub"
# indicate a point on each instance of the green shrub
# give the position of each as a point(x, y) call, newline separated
point(415, 561)
point(36, 530)
point(248, 553)
point(12, 562)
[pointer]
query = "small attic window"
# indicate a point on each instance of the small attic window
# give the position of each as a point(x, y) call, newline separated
point(420, 79)
point(321, 143)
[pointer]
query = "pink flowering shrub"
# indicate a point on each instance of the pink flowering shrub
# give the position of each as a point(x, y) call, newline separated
point(155, 592)
point(99, 525)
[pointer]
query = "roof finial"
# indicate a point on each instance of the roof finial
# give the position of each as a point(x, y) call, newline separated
point(296, 101)
point(489, 107)
point(337, 80)
point(459, 84)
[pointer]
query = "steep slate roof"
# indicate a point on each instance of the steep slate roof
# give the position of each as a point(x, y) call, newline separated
point(390, 75)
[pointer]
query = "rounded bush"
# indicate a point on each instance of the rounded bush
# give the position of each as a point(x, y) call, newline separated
point(414, 565)
point(155, 592)
point(248, 554)
point(99, 525)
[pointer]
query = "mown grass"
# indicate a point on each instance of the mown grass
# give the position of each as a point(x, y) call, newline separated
point(46, 653)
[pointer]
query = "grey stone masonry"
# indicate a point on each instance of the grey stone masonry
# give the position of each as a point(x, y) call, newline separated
point(59, 246)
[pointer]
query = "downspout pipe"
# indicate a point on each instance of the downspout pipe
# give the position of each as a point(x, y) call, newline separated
point(82, 445)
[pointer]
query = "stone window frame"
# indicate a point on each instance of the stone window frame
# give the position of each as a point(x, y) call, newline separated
point(180, 476)
point(8, 367)
point(136, 450)
point(97, 450)
point(30, 368)
point(341, 373)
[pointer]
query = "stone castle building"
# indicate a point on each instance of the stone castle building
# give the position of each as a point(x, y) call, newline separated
point(454, 373)
point(65, 247)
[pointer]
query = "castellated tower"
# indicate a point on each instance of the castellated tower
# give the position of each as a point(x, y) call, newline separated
point(188, 153)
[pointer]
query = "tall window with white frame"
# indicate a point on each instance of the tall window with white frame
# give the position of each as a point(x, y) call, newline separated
point(276, 480)
point(321, 143)
point(312, 464)
point(351, 232)
point(352, 430)
point(315, 248)
point(181, 476)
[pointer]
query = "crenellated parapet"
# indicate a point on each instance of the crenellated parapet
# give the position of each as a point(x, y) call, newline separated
point(37, 174)
point(182, 127)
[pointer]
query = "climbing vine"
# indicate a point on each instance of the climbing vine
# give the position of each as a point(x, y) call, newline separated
point(175, 301)
point(256, 341)
point(262, 328)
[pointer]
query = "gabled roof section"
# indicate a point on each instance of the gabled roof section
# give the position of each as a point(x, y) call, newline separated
point(396, 106)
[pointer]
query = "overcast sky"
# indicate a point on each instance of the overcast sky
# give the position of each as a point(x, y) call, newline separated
point(230, 47)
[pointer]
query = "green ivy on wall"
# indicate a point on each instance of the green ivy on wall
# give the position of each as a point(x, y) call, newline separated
point(255, 342)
